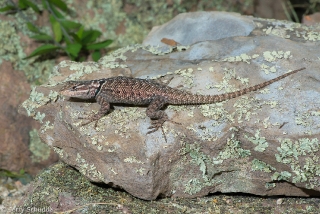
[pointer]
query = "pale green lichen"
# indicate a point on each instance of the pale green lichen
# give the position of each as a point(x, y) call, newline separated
point(35, 100)
point(13, 50)
point(81, 70)
point(241, 58)
point(214, 111)
point(311, 35)
point(286, 29)
point(303, 119)
point(224, 84)
point(266, 123)
point(120, 118)
point(258, 165)
point(112, 149)
point(293, 153)
point(195, 185)
point(132, 159)
point(272, 103)
point(86, 169)
point(245, 107)
point(114, 59)
point(46, 127)
point(188, 76)
point(277, 31)
point(244, 81)
point(182, 108)
point(270, 185)
point(260, 142)
point(210, 166)
point(58, 151)
point(98, 141)
point(267, 69)
point(271, 56)
point(141, 171)
point(196, 155)
point(232, 150)
point(39, 150)
point(205, 134)
point(282, 176)
point(10, 47)
point(39, 117)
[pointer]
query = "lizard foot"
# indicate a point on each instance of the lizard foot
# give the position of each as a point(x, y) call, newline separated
point(91, 118)
point(156, 124)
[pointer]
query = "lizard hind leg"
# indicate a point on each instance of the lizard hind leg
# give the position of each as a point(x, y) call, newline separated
point(157, 116)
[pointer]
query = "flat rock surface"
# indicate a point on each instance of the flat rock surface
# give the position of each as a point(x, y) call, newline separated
point(263, 143)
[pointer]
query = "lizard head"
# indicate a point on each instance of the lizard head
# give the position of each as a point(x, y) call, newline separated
point(82, 89)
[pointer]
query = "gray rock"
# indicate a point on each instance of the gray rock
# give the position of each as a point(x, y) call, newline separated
point(264, 143)
point(201, 26)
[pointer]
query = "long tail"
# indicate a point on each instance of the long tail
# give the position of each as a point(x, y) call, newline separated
point(187, 98)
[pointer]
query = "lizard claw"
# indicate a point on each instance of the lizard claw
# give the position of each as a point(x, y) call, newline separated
point(92, 118)
point(156, 124)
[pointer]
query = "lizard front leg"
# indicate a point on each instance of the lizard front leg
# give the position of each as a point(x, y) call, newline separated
point(104, 109)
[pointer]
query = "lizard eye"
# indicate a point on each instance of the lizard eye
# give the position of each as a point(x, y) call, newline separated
point(74, 88)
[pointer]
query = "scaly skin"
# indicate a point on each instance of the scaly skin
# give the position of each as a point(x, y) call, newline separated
point(127, 90)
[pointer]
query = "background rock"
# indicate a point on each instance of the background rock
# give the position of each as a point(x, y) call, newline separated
point(15, 151)
point(264, 143)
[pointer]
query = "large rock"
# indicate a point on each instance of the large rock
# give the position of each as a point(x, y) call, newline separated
point(20, 146)
point(264, 143)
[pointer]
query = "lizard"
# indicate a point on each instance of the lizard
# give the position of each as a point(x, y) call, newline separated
point(128, 90)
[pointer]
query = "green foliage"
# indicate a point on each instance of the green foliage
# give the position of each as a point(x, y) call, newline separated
point(10, 174)
point(67, 36)
point(21, 176)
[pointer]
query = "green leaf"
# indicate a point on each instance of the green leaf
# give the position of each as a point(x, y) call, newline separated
point(99, 45)
point(90, 36)
point(32, 28)
point(80, 32)
point(96, 56)
point(53, 10)
point(44, 4)
point(42, 37)
point(23, 4)
point(33, 6)
point(70, 24)
point(7, 173)
point(73, 49)
point(43, 50)
point(75, 37)
point(81, 59)
point(56, 28)
point(60, 4)
point(7, 8)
